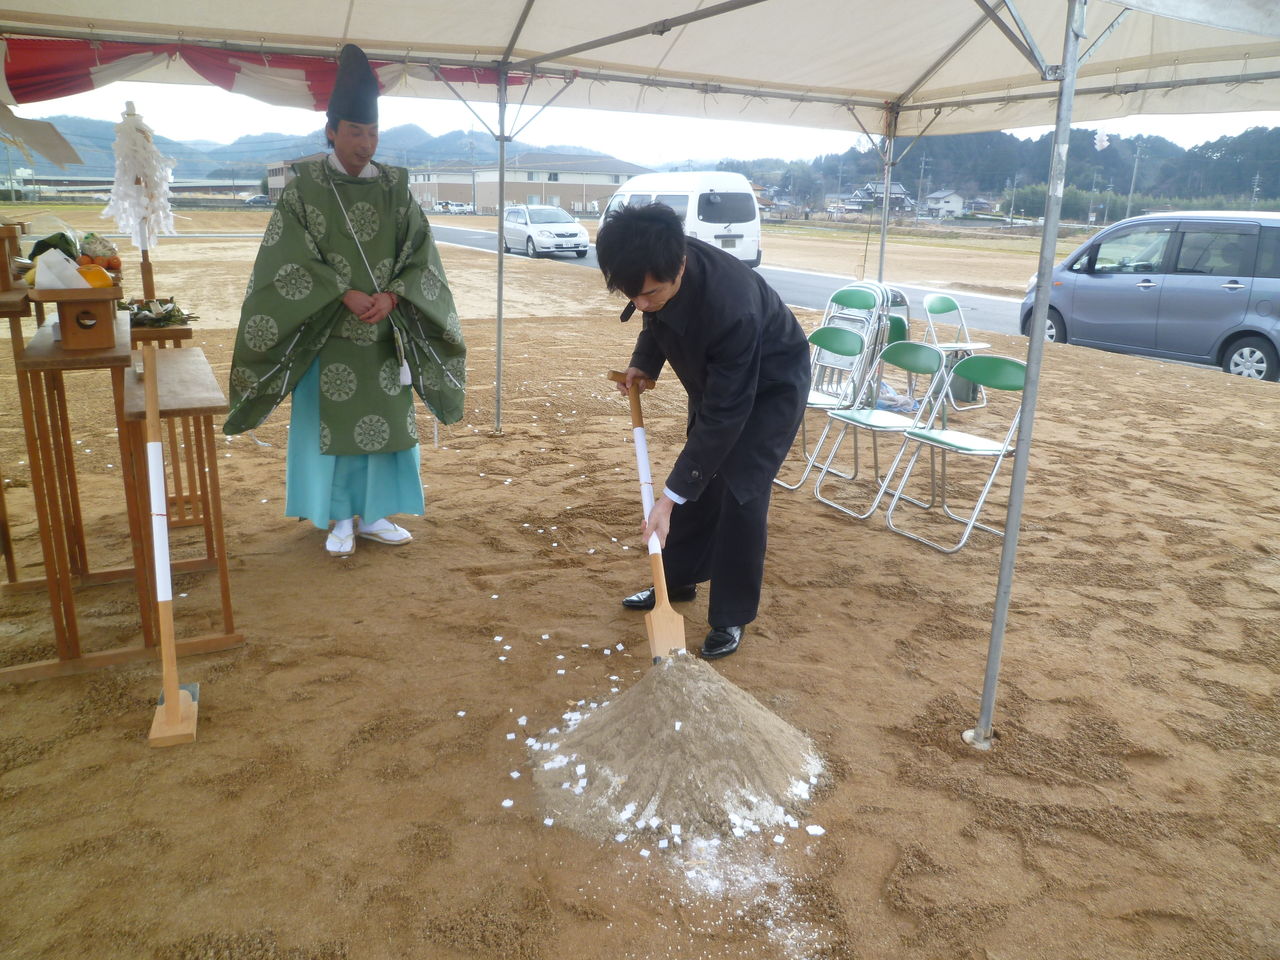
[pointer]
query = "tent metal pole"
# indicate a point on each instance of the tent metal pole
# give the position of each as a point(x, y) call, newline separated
point(980, 736)
point(502, 195)
point(890, 131)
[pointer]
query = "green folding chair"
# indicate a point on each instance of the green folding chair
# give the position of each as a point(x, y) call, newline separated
point(915, 360)
point(939, 308)
point(835, 352)
point(993, 373)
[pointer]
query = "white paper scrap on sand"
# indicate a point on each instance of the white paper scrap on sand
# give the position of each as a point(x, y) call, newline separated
point(814, 830)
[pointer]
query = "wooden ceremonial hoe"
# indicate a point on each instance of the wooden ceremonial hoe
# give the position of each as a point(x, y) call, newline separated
point(665, 626)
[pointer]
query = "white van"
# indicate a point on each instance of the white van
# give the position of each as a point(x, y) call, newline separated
point(716, 206)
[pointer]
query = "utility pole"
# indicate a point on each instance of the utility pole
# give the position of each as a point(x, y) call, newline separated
point(1257, 185)
point(1137, 155)
point(8, 162)
point(924, 166)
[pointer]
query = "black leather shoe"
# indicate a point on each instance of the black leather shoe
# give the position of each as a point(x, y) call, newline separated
point(644, 600)
point(721, 642)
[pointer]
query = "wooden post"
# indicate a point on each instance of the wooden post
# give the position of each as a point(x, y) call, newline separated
point(175, 717)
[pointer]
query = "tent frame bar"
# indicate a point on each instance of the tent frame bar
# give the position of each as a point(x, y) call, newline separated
point(1118, 89)
point(517, 30)
point(946, 58)
point(657, 28)
point(1022, 40)
point(1106, 32)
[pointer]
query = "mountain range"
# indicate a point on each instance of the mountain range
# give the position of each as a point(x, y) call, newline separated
point(246, 159)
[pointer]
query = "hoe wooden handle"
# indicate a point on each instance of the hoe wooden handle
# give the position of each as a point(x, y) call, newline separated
point(637, 418)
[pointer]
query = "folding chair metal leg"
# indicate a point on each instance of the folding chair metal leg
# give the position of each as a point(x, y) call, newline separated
point(970, 521)
point(810, 459)
point(882, 482)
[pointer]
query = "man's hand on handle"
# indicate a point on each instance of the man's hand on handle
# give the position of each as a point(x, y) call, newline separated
point(637, 376)
point(659, 520)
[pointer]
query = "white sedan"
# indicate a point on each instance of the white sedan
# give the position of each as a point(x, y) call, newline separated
point(542, 230)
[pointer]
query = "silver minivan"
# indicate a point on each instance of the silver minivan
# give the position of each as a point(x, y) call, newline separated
point(1200, 287)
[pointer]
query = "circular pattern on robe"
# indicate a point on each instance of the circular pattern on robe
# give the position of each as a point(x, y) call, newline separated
point(293, 281)
point(291, 202)
point(364, 221)
point(453, 327)
point(260, 332)
point(326, 437)
point(275, 227)
point(389, 377)
point(358, 332)
point(382, 273)
point(338, 381)
point(317, 225)
point(434, 378)
point(342, 267)
point(372, 432)
point(312, 247)
point(243, 381)
point(401, 213)
point(393, 174)
point(411, 423)
point(430, 284)
point(275, 386)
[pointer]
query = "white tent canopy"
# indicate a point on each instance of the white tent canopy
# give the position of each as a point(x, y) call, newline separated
point(954, 66)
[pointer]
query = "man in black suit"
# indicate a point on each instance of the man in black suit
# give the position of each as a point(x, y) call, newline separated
point(744, 361)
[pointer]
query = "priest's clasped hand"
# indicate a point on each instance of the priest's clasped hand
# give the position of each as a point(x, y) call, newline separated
point(369, 309)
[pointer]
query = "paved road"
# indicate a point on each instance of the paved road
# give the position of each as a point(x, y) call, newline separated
point(798, 288)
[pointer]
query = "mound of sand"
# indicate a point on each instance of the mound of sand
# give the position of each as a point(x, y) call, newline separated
point(683, 753)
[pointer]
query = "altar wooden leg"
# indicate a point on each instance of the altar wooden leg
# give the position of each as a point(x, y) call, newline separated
point(52, 531)
point(213, 518)
point(65, 464)
point(191, 447)
point(6, 539)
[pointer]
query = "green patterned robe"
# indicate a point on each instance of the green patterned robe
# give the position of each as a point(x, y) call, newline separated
point(293, 313)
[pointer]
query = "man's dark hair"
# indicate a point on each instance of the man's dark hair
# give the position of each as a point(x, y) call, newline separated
point(639, 240)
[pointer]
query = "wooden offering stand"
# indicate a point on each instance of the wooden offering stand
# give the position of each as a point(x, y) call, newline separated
point(86, 316)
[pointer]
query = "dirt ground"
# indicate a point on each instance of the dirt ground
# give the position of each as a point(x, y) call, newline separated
point(348, 793)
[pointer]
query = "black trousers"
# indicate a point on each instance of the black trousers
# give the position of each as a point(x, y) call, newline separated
point(717, 538)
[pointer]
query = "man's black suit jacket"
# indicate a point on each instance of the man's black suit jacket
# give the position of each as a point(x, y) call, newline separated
point(743, 360)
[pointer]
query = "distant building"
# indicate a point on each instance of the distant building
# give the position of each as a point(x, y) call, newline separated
point(871, 197)
point(454, 182)
point(99, 187)
point(279, 174)
point(944, 203)
point(579, 184)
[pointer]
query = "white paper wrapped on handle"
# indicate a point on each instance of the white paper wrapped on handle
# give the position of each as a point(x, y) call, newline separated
point(646, 482)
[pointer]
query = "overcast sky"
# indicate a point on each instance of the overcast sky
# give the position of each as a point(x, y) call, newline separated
point(182, 112)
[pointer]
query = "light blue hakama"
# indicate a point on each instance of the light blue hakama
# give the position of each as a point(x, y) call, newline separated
point(323, 488)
